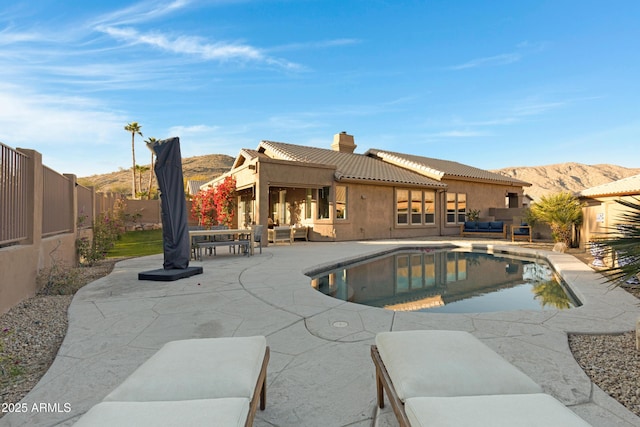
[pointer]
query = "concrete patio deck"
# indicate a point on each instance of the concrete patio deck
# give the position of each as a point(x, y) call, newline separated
point(320, 373)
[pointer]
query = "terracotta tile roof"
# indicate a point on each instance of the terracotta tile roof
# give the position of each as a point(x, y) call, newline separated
point(439, 169)
point(624, 186)
point(348, 165)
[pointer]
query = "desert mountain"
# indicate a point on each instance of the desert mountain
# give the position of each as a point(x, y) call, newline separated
point(199, 168)
point(572, 177)
point(545, 180)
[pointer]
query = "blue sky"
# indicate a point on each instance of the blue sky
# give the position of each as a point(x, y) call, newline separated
point(491, 84)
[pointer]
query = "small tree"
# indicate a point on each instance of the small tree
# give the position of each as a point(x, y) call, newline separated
point(562, 212)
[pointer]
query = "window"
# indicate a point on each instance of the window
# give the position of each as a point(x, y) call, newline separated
point(341, 202)
point(245, 210)
point(462, 207)
point(307, 205)
point(429, 207)
point(456, 208)
point(323, 203)
point(402, 206)
point(415, 207)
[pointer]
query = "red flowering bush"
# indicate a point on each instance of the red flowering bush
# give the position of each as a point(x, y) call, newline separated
point(215, 205)
point(203, 208)
point(224, 199)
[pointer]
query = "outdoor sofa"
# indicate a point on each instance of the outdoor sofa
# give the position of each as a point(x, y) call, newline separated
point(450, 378)
point(484, 229)
point(210, 381)
point(282, 233)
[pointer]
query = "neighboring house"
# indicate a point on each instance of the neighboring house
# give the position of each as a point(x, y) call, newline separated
point(193, 186)
point(527, 201)
point(341, 195)
point(601, 211)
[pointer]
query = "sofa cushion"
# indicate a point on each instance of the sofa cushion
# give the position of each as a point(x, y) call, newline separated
point(496, 225)
point(484, 226)
point(447, 363)
point(470, 225)
point(509, 410)
point(196, 369)
point(203, 412)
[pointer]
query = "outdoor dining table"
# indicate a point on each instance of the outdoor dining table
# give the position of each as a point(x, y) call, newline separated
point(235, 232)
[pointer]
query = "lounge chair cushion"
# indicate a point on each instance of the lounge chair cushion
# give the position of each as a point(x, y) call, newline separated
point(522, 410)
point(196, 369)
point(447, 363)
point(205, 412)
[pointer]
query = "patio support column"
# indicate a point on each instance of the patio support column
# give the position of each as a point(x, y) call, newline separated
point(262, 206)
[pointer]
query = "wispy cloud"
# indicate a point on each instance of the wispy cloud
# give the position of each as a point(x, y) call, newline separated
point(534, 108)
point(192, 130)
point(119, 26)
point(9, 37)
point(187, 45)
point(323, 44)
point(489, 61)
point(140, 12)
point(64, 120)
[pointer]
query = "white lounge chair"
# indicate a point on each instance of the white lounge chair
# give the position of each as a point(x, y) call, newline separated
point(451, 378)
point(211, 381)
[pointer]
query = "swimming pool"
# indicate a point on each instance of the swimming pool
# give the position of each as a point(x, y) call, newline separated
point(449, 280)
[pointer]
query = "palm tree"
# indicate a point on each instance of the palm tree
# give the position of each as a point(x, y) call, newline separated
point(150, 141)
point(134, 128)
point(562, 211)
point(141, 171)
point(623, 245)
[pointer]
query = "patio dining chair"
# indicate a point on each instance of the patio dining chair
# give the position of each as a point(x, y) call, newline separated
point(257, 235)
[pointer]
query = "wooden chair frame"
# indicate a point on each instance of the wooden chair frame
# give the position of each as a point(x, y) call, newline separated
point(384, 383)
point(260, 392)
point(528, 236)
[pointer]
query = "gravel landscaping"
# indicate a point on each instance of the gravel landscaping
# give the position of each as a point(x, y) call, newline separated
point(32, 332)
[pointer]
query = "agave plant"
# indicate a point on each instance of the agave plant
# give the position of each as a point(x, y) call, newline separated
point(624, 245)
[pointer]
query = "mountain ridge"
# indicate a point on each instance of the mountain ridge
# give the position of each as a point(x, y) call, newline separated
point(544, 179)
point(561, 177)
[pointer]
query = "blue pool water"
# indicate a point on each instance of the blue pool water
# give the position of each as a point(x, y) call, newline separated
point(448, 281)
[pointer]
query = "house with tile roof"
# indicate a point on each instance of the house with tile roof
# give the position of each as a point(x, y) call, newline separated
point(342, 195)
point(602, 213)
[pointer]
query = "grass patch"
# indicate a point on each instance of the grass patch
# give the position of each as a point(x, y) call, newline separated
point(137, 243)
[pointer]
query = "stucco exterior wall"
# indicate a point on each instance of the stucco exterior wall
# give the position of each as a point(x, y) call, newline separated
point(601, 215)
point(279, 191)
point(144, 211)
point(17, 275)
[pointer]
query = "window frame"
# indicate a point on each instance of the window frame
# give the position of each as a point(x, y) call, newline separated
point(457, 213)
point(344, 203)
point(323, 202)
point(415, 198)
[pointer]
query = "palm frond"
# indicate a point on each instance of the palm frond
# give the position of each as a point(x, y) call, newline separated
point(623, 244)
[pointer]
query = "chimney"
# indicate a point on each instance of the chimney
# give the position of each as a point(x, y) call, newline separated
point(343, 142)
